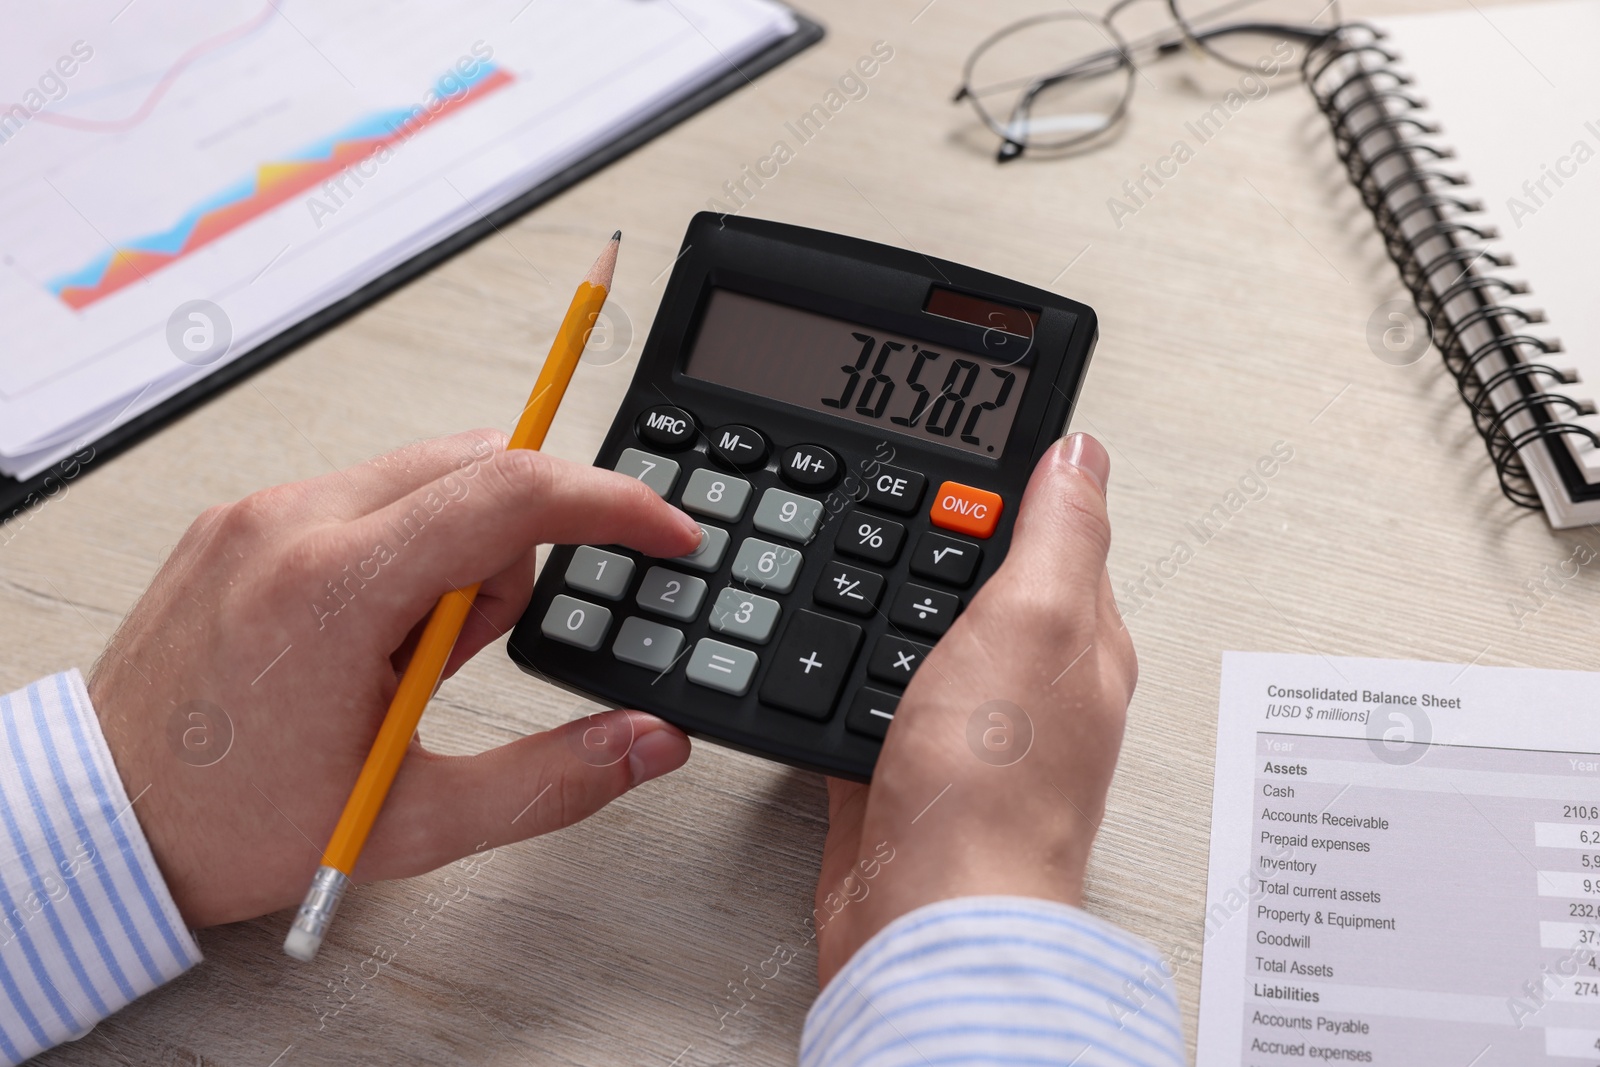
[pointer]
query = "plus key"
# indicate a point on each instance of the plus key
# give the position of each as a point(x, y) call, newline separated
point(812, 660)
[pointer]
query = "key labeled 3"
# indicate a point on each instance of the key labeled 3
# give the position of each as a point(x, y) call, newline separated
point(744, 615)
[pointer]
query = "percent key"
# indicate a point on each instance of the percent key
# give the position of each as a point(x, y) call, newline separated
point(869, 537)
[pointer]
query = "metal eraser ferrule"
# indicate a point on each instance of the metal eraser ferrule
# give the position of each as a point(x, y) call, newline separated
point(316, 913)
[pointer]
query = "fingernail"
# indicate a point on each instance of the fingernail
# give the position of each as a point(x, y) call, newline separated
point(1089, 456)
point(655, 753)
point(690, 525)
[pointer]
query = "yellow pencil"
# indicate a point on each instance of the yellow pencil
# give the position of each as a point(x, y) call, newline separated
point(427, 663)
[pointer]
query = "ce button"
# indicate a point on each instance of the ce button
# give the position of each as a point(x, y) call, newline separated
point(894, 489)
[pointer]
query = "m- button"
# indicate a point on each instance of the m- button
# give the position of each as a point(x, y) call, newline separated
point(740, 447)
point(974, 512)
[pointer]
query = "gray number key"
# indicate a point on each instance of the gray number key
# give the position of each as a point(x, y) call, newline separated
point(719, 666)
point(647, 644)
point(604, 574)
point(744, 615)
point(721, 496)
point(788, 515)
point(766, 565)
point(576, 622)
point(677, 596)
point(658, 472)
point(708, 557)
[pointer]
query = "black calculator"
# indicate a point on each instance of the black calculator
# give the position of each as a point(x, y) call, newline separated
point(853, 425)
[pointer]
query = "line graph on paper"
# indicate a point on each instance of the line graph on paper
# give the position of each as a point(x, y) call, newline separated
point(272, 184)
point(273, 157)
point(190, 145)
point(176, 100)
point(159, 85)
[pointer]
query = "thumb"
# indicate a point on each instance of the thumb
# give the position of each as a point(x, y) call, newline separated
point(1049, 584)
point(847, 809)
point(445, 807)
point(1062, 534)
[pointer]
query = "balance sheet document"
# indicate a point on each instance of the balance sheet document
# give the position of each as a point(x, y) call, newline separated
point(1405, 866)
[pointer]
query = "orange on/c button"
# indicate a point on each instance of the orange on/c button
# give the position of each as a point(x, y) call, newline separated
point(961, 508)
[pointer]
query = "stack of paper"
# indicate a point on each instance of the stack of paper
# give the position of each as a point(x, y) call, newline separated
point(180, 182)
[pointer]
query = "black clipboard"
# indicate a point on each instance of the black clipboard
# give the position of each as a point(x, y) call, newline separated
point(18, 496)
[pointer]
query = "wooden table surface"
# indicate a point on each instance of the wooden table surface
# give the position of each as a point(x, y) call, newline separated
point(1234, 307)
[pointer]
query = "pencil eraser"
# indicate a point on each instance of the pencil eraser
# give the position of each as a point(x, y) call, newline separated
point(301, 944)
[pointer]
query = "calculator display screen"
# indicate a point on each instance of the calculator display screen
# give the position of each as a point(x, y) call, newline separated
point(861, 373)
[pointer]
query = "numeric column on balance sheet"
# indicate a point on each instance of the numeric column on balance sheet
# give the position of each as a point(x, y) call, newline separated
point(1405, 865)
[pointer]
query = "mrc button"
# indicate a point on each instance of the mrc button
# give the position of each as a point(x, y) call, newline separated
point(894, 488)
point(961, 508)
point(665, 427)
point(740, 447)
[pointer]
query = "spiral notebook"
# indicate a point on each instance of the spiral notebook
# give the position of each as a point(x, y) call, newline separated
point(1474, 139)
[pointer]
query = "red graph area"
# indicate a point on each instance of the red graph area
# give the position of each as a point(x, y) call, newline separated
point(274, 184)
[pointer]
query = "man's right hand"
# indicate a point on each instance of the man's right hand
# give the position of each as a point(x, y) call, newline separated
point(279, 626)
point(993, 777)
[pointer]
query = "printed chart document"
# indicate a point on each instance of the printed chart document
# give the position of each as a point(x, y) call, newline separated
point(181, 181)
point(1405, 866)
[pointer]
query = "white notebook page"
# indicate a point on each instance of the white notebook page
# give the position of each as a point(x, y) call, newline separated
point(1516, 90)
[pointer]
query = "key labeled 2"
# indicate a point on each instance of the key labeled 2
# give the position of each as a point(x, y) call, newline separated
point(677, 596)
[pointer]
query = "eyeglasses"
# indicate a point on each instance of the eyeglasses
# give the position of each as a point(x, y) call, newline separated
point(1063, 80)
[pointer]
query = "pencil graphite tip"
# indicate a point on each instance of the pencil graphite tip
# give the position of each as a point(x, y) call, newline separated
point(604, 267)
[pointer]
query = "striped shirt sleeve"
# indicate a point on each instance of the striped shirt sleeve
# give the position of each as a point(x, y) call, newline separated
point(997, 981)
point(86, 922)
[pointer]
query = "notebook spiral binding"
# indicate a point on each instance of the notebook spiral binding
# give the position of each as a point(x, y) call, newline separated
point(1422, 212)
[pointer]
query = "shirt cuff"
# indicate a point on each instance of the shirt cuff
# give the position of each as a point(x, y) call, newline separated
point(998, 980)
point(86, 922)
